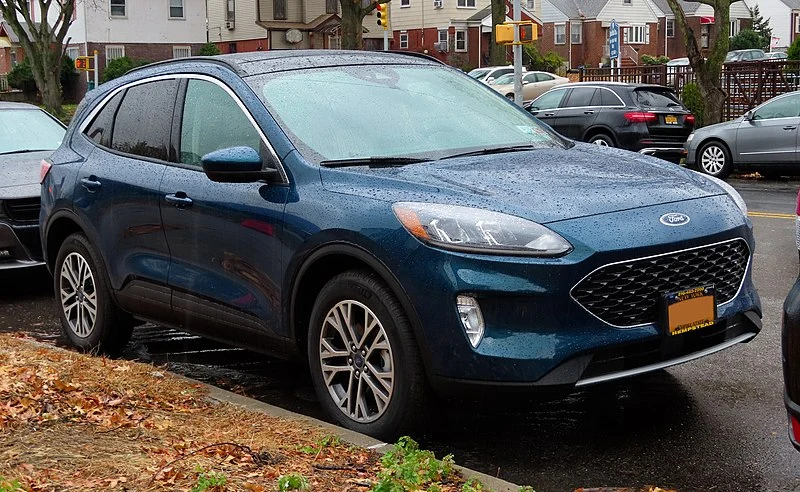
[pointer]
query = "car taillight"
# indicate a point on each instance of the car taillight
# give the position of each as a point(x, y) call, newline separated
point(640, 117)
point(44, 168)
point(794, 428)
point(689, 119)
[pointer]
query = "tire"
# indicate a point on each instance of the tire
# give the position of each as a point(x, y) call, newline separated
point(601, 139)
point(714, 159)
point(385, 411)
point(81, 286)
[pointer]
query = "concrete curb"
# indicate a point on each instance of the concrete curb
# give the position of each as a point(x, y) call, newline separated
point(221, 395)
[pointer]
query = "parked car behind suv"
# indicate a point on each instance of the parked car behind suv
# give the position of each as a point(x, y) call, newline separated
point(744, 55)
point(488, 75)
point(27, 135)
point(249, 202)
point(534, 84)
point(644, 118)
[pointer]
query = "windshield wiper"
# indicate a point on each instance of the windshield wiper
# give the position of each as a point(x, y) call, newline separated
point(493, 150)
point(373, 161)
point(23, 151)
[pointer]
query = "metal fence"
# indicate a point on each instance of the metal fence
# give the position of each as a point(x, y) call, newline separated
point(746, 84)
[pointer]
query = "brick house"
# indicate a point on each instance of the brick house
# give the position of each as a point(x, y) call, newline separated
point(11, 52)
point(457, 32)
point(700, 18)
point(254, 25)
point(784, 19)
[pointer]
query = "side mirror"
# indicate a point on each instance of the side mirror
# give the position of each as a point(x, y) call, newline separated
point(235, 165)
point(748, 116)
point(490, 80)
point(526, 82)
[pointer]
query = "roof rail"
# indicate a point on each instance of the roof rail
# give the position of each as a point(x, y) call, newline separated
point(416, 55)
point(210, 59)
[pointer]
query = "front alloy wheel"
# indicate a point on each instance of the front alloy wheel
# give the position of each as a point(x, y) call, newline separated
point(714, 160)
point(78, 295)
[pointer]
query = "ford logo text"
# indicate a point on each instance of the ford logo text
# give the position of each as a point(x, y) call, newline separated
point(674, 219)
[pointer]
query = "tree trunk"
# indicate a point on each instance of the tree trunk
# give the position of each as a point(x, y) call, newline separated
point(51, 90)
point(713, 97)
point(497, 52)
point(352, 18)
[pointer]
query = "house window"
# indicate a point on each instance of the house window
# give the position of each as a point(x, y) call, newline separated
point(627, 2)
point(734, 27)
point(636, 35)
point(461, 40)
point(575, 31)
point(797, 23)
point(176, 9)
point(279, 9)
point(118, 8)
point(232, 48)
point(403, 40)
point(444, 39)
point(73, 53)
point(405, 3)
point(531, 4)
point(181, 51)
point(466, 4)
point(561, 33)
point(670, 28)
point(331, 6)
point(704, 36)
point(114, 52)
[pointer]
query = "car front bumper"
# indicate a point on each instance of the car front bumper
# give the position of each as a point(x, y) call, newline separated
point(20, 246)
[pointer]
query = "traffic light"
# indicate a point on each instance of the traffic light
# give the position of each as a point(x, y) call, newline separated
point(383, 14)
point(504, 33)
point(527, 33)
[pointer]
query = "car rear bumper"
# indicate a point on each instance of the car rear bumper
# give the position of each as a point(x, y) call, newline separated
point(20, 246)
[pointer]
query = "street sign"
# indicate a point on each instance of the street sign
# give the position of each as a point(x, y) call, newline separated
point(613, 40)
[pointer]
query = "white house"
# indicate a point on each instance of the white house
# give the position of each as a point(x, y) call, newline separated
point(784, 19)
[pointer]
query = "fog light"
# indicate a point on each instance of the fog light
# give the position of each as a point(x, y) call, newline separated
point(471, 319)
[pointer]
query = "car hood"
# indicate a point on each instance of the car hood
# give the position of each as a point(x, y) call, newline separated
point(545, 185)
point(19, 174)
point(720, 126)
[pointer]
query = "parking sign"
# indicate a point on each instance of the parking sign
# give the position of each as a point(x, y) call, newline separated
point(613, 40)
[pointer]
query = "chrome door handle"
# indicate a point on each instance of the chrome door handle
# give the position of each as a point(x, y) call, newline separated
point(789, 127)
point(588, 112)
point(179, 199)
point(91, 183)
point(549, 114)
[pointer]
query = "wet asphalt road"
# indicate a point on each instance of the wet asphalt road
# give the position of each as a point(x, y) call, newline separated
point(714, 424)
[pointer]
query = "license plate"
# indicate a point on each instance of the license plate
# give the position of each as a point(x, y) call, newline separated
point(689, 310)
point(671, 120)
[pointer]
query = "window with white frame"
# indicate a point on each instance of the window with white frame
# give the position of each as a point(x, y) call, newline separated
point(466, 4)
point(113, 52)
point(637, 35)
point(670, 28)
point(797, 23)
point(181, 51)
point(575, 32)
point(403, 40)
point(734, 27)
point(405, 3)
point(704, 32)
point(531, 4)
point(73, 53)
point(118, 8)
point(444, 39)
point(560, 33)
point(176, 9)
point(461, 40)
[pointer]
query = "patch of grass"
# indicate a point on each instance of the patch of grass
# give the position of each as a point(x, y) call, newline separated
point(292, 481)
point(208, 480)
point(68, 112)
point(409, 468)
point(10, 485)
point(327, 441)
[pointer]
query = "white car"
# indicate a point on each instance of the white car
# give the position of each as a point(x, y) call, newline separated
point(534, 84)
point(488, 75)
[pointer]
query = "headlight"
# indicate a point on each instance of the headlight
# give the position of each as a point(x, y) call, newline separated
point(730, 191)
point(478, 231)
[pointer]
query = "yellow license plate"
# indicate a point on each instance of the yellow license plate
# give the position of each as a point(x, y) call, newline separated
point(690, 310)
point(671, 120)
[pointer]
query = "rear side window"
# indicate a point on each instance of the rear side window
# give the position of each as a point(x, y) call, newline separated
point(543, 77)
point(608, 98)
point(144, 120)
point(654, 98)
point(580, 97)
point(100, 129)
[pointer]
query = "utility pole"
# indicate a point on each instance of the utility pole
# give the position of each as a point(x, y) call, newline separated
point(517, 55)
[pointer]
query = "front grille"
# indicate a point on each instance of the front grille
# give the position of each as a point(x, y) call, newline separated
point(628, 293)
point(23, 209)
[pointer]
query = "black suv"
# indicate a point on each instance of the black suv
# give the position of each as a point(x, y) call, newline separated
point(644, 118)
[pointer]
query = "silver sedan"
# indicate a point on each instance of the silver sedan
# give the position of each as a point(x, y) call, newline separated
point(764, 139)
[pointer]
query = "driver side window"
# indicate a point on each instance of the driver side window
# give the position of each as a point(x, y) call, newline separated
point(212, 120)
point(551, 100)
point(785, 107)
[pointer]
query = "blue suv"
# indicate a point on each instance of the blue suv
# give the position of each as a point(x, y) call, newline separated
point(388, 220)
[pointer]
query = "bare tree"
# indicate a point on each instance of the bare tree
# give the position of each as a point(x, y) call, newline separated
point(43, 43)
point(353, 13)
point(708, 71)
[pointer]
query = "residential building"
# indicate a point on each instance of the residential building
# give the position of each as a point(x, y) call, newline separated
point(11, 52)
point(784, 19)
point(254, 25)
point(457, 32)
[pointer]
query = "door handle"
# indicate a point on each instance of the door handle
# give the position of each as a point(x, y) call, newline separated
point(549, 114)
point(588, 112)
point(91, 183)
point(789, 127)
point(179, 199)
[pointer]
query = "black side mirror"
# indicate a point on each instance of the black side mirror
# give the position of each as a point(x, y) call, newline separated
point(235, 165)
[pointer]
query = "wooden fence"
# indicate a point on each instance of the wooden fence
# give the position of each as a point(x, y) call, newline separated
point(747, 84)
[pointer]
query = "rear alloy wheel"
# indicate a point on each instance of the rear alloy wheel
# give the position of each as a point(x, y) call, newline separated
point(714, 160)
point(89, 318)
point(601, 140)
point(366, 370)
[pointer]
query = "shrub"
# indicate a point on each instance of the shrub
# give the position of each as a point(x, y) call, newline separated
point(746, 39)
point(654, 60)
point(21, 77)
point(209, 49)
point(693, 100)
point(120, 66)
point(551, 62)
point(794, 50)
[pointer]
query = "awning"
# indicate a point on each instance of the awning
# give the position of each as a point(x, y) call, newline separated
point(5, 43)
point(706, 20)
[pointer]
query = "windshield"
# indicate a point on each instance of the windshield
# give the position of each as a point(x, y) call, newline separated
point(28, 129)
point(655, 98)
point(478, 73)
point(504, 79)
point(365, 111)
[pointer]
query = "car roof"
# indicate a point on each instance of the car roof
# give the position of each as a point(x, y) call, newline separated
point(601, 83)
point(16, 105)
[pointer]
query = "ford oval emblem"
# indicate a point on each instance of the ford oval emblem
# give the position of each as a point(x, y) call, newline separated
point(674, 219)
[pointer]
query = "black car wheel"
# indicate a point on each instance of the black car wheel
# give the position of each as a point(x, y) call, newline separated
point(714, 159)
point(364, 362)
point(602, 140)
point(510, 96)
point(89, 318)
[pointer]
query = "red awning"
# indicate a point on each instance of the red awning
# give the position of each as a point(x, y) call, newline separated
point(706, 20)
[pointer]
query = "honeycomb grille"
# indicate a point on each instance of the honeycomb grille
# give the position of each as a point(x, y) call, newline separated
point(628, 293)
